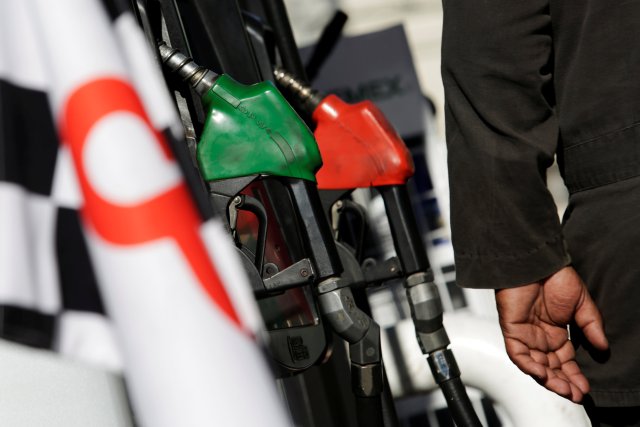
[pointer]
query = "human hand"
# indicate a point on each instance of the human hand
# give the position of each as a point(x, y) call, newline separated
point(534, 321)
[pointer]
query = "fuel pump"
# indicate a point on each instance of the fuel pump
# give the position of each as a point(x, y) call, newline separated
point(361, 149)
point(251, 133)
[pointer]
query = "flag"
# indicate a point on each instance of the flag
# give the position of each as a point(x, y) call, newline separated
point(48, 291)
point(167, 281)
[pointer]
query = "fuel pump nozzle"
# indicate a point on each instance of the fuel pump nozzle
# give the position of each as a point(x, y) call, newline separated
point(308, 97)
point(200, 78)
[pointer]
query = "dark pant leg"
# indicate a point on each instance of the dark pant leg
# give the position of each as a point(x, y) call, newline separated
point(602, 230)
point(612, 417)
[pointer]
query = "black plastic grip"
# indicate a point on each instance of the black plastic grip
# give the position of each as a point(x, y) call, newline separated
point(316, 225)
point(404, 229)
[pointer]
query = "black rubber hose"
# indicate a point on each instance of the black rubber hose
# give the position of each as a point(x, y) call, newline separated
point(326, 43)
point(459, 404)
point(369, 411)
point(388, 406)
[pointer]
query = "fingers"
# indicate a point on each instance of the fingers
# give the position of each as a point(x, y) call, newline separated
point(559, 386)
point(565, 380)
point(588, 319)
point(560, 290)
point(555, 370)
point(576, 377)
point(568, 382)
point(533, 319)
point(565, 356)
point(564, 388)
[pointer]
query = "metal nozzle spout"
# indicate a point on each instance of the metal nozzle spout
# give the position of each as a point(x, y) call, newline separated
point(309, 98)
point(200, 78)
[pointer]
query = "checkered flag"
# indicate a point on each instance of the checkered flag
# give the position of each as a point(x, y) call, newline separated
point(104, 255)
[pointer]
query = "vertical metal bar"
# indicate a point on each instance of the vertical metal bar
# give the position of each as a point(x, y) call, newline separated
point(277, 16)
point(223, 27)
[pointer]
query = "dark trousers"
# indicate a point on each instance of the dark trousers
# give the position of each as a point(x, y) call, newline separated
point(602, 230)
point(613, 417)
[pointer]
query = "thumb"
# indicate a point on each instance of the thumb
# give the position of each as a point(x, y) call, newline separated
point(588, 319)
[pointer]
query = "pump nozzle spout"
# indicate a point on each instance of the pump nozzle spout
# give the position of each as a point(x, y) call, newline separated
point(308, 97)
point(200, 78)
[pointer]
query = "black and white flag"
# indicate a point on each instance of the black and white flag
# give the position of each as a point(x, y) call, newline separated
point(103, 253)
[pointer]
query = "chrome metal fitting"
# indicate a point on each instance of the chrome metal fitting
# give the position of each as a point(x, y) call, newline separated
point(419, 277)
point(346, 319)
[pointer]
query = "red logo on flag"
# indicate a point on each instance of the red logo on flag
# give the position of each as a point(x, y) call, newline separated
point(149, 210)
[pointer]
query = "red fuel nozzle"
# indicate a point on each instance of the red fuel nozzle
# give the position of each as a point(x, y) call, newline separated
point(359, 147)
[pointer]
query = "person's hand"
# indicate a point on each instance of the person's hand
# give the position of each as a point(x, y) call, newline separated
point(534, 321)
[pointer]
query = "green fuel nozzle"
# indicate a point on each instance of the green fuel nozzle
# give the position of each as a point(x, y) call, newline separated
point(248, 129)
